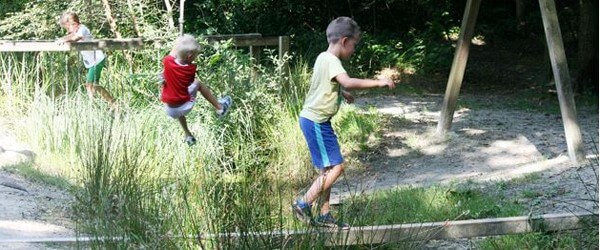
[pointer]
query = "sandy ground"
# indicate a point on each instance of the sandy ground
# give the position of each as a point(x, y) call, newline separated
point(483, 145)
point(28, 209)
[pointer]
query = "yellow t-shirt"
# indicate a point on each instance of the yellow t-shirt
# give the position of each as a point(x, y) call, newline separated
point(324, 96)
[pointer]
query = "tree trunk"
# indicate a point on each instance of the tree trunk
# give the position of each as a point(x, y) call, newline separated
point(520, 13)
point(587, 51)
point(134, 19)
point(170, 14)
point(113, 27)
point(111, 21)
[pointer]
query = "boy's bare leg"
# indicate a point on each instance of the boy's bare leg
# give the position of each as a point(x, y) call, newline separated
point(322, 185)
point(104, 93)
point(325, 201)
point(92, 89)
point(183, 123)
point(209, 96)
point(89, 87)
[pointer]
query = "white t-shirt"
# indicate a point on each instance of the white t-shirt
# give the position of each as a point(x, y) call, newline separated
point(90, 57)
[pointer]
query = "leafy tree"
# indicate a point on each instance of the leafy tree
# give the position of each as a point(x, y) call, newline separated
point(33, 21)
point(38, 19)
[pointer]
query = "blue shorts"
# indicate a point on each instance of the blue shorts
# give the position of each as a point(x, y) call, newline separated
point(322, 143)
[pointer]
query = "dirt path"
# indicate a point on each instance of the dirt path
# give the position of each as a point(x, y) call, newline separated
point(28, 209)
point(485, 144)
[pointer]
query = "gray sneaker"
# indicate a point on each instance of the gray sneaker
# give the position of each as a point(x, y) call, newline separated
point(225, 102)
point(327, 220)
point(302, 211)
point(190, 140)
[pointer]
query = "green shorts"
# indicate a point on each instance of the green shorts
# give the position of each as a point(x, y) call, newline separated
point(94, 72)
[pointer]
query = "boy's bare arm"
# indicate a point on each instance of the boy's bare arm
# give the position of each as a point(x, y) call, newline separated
point(70, 38)
point(356, 83)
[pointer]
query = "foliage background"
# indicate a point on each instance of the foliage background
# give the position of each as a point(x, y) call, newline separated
point(414, 34)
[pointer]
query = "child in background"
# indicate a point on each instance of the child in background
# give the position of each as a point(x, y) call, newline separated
point(93, 60)
point(328, 86)
point(180, 84)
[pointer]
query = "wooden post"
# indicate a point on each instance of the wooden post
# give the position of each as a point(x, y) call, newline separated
point(10, 82)
point(284, 48)
point(38, 81)
point(255, 55)
point(458, 66)
point(181, 4)
point(66, 77)
point(562, 80)
point(169, 8)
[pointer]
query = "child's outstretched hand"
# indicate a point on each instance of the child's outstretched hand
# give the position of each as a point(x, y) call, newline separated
point(60, 41)
point(388, 76)
point(386, 82)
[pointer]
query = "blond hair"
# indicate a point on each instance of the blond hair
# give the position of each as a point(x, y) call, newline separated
point(185, 45)
point(68, 17)
point(341, 27)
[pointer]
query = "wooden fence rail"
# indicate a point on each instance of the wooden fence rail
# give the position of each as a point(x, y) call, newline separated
point(242, 40)
point(254, 41)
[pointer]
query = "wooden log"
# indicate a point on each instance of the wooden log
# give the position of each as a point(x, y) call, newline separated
point(243, 40)
point(109, 44)
point(261, 41)
point(562, 79)
point(368, 235)
point(461, 229)
point(458, 66)
point(212, 38)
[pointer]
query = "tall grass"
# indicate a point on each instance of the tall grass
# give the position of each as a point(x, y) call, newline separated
point(134, 176)
point(137, 185)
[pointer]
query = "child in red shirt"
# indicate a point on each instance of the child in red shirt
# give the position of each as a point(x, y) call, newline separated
point(180, 84)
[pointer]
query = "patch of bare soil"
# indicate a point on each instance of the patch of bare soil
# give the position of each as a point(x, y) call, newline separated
point(484, 145)
point(28, 209)
point(503, 130)
point(509, 152)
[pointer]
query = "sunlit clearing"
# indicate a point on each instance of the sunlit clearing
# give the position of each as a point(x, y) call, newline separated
point(511, 152)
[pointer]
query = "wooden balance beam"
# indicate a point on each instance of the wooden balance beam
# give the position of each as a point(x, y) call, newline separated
point(239, 40)
point(46, 45)
point(369, 235)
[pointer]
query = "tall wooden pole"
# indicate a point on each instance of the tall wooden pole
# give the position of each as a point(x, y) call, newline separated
point(562, 80)
point(181, 20)
point(170, 14)
point(458, 66)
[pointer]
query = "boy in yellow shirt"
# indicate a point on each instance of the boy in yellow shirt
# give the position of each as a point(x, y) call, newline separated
point(328, 86)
